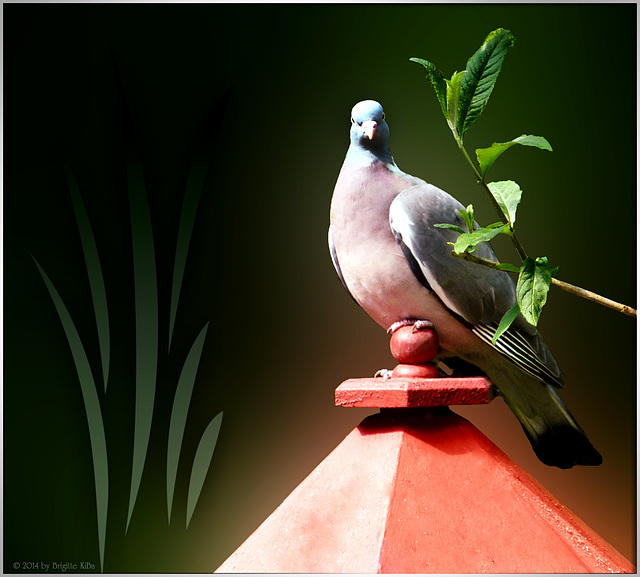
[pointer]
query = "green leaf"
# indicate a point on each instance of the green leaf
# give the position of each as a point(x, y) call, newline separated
point(468, 242)
point(179, 412)
point(536, 141)
point(437, 81)
point(468, 217)
point(508, 267)
point(507, 194)
point(145, 292)
point(452, 227)
point(487, 156)
point(202, 462)
point(195, 184)
point(453, 96)
point(506, 321)
point(93, 410)
point(532, 288)
point(94, 272)
point(480, 77)
point(495, 225)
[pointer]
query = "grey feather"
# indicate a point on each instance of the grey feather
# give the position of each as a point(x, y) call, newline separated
point(457, 282)
point(480, 295)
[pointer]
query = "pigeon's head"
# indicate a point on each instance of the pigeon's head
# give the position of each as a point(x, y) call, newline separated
point(368, 127)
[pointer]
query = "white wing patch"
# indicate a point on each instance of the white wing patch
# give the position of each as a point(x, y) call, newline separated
point(514, 346)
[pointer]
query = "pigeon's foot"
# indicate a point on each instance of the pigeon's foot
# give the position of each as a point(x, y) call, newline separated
point(417, 324)
point(383, 373)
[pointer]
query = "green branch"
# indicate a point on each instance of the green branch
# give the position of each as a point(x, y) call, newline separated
point(463, 99)
point(503, 217)
point(570, 288)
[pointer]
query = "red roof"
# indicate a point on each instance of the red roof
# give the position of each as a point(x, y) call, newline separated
point(422, 492)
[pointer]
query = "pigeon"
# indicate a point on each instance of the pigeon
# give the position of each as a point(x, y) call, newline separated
point(398, 267)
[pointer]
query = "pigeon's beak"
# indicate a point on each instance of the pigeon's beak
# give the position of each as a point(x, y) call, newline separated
point(369, 127)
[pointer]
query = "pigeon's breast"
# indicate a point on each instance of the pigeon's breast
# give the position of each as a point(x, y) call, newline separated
point(372, 264)
point(371, 261)
point(380, 280)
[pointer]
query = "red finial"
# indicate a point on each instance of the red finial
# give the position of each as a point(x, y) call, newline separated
point(415, 350)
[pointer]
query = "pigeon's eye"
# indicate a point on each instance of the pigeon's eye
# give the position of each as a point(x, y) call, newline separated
point(352, 120)
point(383, 116)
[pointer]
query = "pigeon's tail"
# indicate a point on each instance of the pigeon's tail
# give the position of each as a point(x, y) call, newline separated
point(554, 434)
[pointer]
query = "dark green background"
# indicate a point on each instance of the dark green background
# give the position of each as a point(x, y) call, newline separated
point(266, 91)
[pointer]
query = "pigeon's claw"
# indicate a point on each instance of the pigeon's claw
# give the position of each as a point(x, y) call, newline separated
point(417, 324)
point(421, 324)
point(383, 373)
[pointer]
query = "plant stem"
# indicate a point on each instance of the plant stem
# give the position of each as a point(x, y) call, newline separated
point(501, 214)
point(475, 171)
point(479, 260)
point(624, 309)
point(573, 289)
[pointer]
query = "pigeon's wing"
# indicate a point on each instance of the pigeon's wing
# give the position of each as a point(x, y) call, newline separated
point(477, 294)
